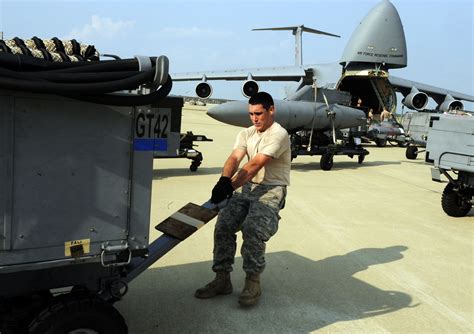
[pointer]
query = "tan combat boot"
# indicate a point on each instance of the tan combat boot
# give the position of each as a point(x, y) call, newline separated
point(221, 285)
point(252, 291)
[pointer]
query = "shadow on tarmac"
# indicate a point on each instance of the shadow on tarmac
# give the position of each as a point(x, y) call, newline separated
point(162, 173)
point(341, 165)
point(299, 296)
point(416, 162)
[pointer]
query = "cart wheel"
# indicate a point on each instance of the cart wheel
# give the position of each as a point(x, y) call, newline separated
point(360, 159)
point(380, 142)
point(193, 167)
point(79, 315)
point(453, 203)
point(326, 161)
point(411, 152)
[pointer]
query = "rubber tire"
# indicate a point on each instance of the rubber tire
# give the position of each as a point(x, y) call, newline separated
point(381, 142)
point(360, 159)
point(411, 152)
point(326, 161)
point(452, 204)
point(69, 314)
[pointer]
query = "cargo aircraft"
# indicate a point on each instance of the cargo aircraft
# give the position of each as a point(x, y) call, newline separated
point(326, 97)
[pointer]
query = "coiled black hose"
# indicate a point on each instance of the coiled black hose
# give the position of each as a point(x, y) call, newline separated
point(129, 99)
point(88, 81)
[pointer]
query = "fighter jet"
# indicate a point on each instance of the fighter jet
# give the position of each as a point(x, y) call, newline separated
point(376, 46)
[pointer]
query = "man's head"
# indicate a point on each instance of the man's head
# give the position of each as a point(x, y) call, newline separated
point(261, 111)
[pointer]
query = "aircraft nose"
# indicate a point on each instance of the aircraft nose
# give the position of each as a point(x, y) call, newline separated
point(234, 113)
point(388, 43)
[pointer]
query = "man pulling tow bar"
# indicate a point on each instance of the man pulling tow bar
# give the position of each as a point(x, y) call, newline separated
point(256, 193)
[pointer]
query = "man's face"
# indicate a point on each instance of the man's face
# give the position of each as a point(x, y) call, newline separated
point(261, 118)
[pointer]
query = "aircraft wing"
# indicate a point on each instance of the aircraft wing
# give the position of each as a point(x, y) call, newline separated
point(438, 94)
point(278, 73)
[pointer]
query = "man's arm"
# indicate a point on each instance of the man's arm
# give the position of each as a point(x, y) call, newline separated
point(232, 163)
point(230, 180)
point(224, 187)
point(250, 169)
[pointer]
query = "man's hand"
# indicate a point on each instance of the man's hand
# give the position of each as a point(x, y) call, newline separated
point(222, 190)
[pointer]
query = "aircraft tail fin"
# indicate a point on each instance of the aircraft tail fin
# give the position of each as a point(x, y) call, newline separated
point(302, 27)
point(298, 32)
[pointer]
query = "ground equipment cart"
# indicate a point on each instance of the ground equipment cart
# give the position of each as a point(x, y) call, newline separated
point(450, 148)
point(74, 209)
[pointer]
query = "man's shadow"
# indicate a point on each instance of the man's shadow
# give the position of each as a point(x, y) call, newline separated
point(328, 289)
point(299, 296)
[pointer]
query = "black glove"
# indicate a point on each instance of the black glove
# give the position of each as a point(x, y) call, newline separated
point(222, 190)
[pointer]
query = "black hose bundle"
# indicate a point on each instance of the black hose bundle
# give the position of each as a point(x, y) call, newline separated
point(80, 76)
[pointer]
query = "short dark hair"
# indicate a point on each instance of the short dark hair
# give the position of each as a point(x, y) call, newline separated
point(262, 98)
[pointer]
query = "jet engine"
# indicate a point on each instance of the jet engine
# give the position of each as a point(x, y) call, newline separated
point(416, 100)
point(450, 103)
point(203, 90)
point(249, 88)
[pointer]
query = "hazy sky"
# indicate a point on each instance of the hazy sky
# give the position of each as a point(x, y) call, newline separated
point(215, 35)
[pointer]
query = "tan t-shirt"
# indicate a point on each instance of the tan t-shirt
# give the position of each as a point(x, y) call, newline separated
point(273, 142)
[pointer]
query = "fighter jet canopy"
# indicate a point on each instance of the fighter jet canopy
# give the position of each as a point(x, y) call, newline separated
point(379, 38)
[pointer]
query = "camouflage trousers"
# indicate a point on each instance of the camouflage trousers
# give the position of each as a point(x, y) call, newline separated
point(253, 209)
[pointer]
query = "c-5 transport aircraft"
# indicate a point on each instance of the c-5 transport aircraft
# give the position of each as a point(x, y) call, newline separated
point(376, 46)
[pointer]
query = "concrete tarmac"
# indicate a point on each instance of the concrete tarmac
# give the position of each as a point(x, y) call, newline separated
point(360, 249)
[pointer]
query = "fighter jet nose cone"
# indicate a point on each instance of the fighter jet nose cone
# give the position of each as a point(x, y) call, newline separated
point(233, 113)
point(379, 38)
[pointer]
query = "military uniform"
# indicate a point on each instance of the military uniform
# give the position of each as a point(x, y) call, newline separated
point(254, 208)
